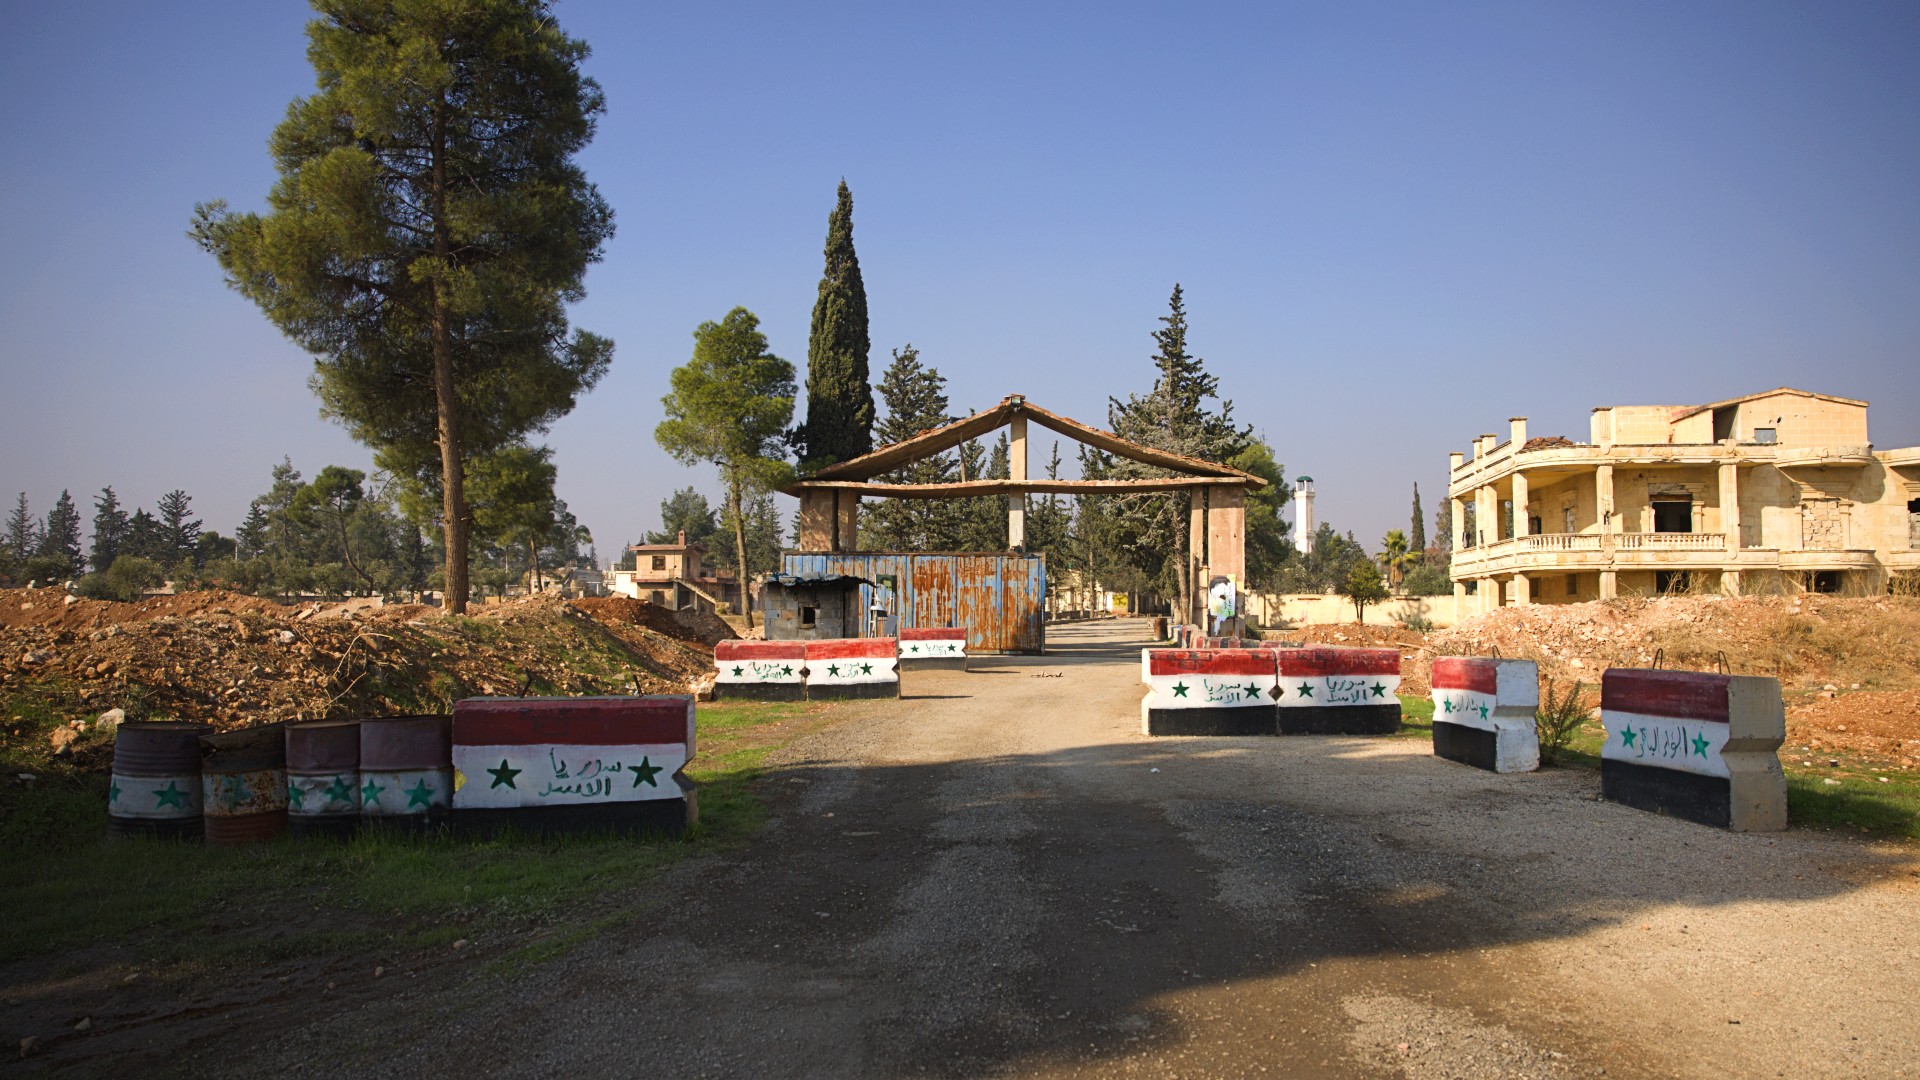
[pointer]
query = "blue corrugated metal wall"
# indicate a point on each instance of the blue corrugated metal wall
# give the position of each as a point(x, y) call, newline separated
point(1000, 599)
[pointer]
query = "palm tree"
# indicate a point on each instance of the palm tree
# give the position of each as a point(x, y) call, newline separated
point(1395, 556)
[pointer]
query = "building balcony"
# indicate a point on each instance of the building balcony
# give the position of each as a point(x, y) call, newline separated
point(1575, 552)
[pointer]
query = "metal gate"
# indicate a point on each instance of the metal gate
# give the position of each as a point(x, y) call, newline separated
point(1000, 599)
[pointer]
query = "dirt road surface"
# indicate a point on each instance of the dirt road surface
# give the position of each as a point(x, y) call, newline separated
point(1000, 876)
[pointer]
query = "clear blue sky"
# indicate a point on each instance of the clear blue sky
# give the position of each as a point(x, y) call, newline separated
point(1397, 224)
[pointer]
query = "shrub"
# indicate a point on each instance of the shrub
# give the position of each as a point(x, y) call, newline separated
point(1557, 720)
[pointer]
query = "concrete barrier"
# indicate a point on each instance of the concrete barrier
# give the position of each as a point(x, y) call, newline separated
point(934, 647)
point(1329, 691)
point(1207, 692)
point(1483, 712)
point(556, 765)
point(852, 668)
point(760, 670)
point(1694, 745)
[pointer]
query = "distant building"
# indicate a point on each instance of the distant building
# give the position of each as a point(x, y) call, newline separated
point(675, 576)
point(1774, 492)
point(1303, 514)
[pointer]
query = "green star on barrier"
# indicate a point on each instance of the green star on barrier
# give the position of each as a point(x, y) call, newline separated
point(737, 671)
point(1179, 689)
point(866, 669)
point(1379, 689)
point(788, 670)
point(297, 796)
point(913, 648)
point(371, 792)
point(420, 793)
point(234, 790)
point(645, 771)
point(504, 775)
point(1626, 736)
point(1305, 690)
point(1700, 745)
point(172, 796)
point(1483, 712)
point(340, 790)
point(833, 669)
point(1253, 691)
point(113, 792)
point(1448, 702)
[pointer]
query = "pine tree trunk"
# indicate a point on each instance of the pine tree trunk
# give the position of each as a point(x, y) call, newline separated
point(452, 478)
point(740, 552)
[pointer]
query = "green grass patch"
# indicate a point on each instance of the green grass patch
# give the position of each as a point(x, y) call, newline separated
point(1416, 717)
point(1851, 795)
point(64, 888)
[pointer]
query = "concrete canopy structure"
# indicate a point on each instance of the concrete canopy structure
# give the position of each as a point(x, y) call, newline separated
point(1770, 492)
point(830, 497)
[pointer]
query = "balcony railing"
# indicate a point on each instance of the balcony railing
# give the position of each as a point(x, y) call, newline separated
point(1671, 541)
point(1550, 543)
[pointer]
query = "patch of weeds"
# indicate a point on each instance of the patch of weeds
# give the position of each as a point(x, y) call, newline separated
point(1558, 719)
point(1416, 717)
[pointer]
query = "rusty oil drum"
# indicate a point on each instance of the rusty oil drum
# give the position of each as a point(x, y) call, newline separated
point(155, 789)
point(323, 778)
point(243, 784)
point(1160, 628)
point(406, 769)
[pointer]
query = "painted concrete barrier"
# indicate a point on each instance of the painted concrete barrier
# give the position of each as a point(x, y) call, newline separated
point(1328, 691)
point(1207, 692)
point(553, 765)
point(1483, 712)
point(1695, 745)
point(934, 647)
point(852, 668)
point(760, 670)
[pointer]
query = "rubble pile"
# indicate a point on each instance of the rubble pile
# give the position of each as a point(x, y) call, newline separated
point(234, 660)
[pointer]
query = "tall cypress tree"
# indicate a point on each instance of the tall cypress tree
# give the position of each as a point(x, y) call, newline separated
point(839, 424)
point(1417, 539)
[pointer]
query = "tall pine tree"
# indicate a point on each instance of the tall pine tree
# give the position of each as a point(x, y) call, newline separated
point(1418, 537)
point(429, 228)
point(179, 533)
point(109, 528)
point(839, 424)
point(60, 537)
point(23, 531)
point(916, 399)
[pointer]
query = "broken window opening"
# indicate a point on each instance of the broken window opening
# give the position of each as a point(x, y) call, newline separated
point(1673, 516)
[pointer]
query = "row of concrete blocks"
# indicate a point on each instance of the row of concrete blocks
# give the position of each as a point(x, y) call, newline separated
point(1270, 689)
point(1694, 745)
point(531, 765)
point(832, 669)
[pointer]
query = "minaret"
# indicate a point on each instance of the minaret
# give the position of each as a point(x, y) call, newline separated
point(1303, 514)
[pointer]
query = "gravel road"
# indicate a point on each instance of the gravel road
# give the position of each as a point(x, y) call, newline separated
point(999, 875)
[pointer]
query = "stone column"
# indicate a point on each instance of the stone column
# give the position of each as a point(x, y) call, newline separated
point(1522, 591)
point(1460, 537)
point(817, 531)
point(1459, 600)
point(1017, 469)
point(847, 516)
point(1609, 585)
point(1196, 557)
point(1520, 526)
point(1603, 500)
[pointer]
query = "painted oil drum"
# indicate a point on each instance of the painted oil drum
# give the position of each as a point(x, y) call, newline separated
point(323, 778)
point(243, 784)
point(155, 789)
point(406, 766)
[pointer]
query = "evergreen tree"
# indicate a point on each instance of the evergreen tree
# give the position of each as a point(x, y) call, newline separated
point(1417, 538)
point(428, 229)
point(839, 424)
point(251, 536)
point(685, 511)
point(916, 401)
point(60, 536)
point(144, 537)
point(109, 529)
point(1151, 530)
point(730, 406)
point(1049, 526)
point(764, 539)
point(179, 534)
point(23, 531)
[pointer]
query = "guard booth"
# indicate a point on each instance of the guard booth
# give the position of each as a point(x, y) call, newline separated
point(813, 606)
point(999, 598)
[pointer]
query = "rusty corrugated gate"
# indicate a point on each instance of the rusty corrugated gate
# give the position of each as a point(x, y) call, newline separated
point(1000, 599)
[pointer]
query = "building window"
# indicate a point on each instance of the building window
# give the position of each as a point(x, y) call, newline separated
point(1673, 516)
point(807, 617)
point(1824, 581)
point(1673, 582)
point(659, 562)
point(1573, 584)
point(1566, 515)
point(1766, 435)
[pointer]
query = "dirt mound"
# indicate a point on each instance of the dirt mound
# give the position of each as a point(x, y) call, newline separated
point(1415, 663)
point(1881, 723)
point(690, 625)
point(54, 609)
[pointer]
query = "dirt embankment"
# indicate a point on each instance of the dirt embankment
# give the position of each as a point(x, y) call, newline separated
point(1850, 667)
point(236, 660)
